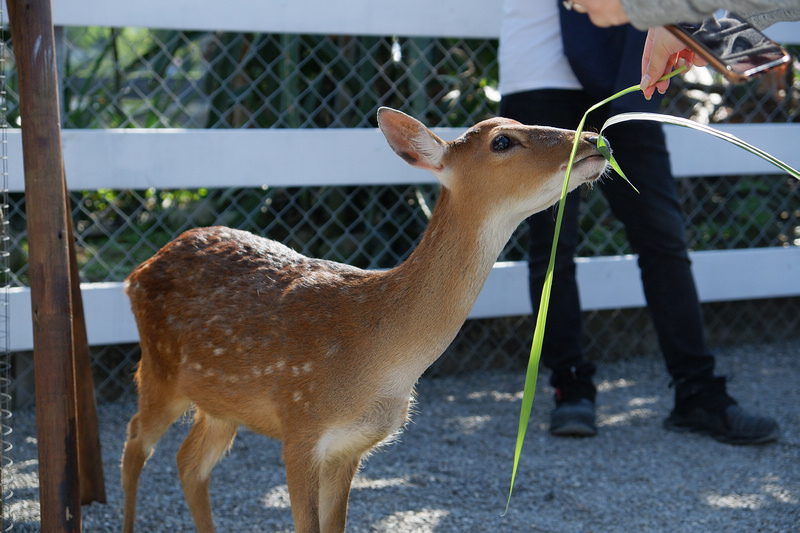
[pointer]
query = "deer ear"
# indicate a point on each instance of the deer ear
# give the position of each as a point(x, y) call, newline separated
point(411, 140)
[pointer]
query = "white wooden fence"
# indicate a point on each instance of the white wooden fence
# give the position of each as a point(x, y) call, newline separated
point(122, 159)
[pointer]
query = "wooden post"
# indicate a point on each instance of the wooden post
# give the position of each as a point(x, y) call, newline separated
point(53, 296)
point(92, 485)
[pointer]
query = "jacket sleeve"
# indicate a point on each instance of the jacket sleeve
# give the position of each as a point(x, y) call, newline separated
point(645, 14)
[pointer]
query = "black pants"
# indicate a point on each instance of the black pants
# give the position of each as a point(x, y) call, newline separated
point(654, 226)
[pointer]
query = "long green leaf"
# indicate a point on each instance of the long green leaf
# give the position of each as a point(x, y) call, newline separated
point(538, 335)
point(541, 319)
point(686, 123)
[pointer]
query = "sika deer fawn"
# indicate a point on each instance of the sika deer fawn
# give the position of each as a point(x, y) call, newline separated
point(320, 355)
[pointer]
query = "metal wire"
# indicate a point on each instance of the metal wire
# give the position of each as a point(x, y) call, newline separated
point(135, 77)
point(5, 357)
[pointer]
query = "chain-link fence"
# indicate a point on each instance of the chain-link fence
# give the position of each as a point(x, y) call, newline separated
point(126, 78)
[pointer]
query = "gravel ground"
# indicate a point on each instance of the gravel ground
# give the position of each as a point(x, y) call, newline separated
point(450, 470)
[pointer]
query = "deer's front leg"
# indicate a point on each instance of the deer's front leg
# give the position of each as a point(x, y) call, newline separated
point(334, 493)
point(303, 478)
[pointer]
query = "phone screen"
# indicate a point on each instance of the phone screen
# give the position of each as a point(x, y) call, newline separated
point(736, 44)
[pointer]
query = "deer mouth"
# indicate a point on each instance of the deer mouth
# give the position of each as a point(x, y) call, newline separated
point(590, 167)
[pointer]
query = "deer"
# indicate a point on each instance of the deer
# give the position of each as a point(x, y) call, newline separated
point(321, 355)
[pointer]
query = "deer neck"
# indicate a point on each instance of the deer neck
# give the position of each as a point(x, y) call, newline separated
point(436, 287)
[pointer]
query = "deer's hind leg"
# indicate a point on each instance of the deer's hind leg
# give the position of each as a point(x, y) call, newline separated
point(158, 409)
point(205, 445)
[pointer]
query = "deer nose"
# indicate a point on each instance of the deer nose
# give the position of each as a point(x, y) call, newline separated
point(595, 139)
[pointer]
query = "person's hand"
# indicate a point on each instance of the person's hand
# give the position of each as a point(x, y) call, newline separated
point(602, 13)
point(662, 52)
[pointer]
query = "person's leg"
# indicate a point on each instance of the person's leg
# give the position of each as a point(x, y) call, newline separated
point(655, 228)
point(654, 224)
point(562, 350)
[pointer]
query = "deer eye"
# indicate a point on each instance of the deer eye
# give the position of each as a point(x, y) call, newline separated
point(501, 143)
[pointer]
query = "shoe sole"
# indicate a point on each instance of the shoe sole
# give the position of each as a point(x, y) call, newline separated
point(574, 429)
point(721, 437)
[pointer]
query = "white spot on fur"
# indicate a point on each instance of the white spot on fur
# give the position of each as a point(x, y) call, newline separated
point(219, 351)
point(297, 396)
point(307, 368)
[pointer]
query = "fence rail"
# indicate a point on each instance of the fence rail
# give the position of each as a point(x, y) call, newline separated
point(171, 158)
point(410, 18)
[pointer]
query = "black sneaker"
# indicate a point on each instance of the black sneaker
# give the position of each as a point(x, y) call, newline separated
point(574, 414)
point(707, 409)
point(573, 419)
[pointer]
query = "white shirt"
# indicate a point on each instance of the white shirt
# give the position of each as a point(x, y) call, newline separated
point(531, 54)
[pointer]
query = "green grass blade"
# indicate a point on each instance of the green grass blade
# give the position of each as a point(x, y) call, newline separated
point(541, 319)
point(603, 148)
point(686, 123)
point(601, 144)
point(538, 335)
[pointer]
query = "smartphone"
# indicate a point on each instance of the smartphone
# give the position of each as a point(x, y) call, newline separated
point(732, 46)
